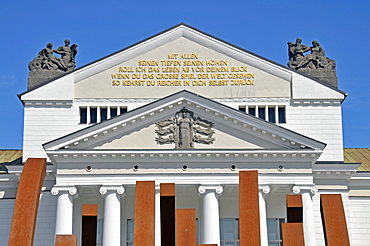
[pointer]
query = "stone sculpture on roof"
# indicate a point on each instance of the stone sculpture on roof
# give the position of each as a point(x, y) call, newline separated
point(47, 66)
point(47, 61)
point(184, 130)
point(314, 64)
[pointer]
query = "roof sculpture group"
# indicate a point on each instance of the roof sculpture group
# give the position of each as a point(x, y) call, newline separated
point(47, 66)
point(184, 130)
point(46, 60)
point(314, 64)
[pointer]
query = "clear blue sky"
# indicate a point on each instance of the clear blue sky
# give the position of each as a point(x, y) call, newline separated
point(262, 27)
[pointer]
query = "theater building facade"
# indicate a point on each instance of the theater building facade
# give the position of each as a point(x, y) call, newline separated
point(190, 112)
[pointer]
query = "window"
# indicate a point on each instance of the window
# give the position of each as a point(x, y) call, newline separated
point(123, 110)
point(130, 232)
point(99, 233)
point(229, 232)
point(83, 115)
point(93, 115)
point(262, 112)
point(274, 231)
point(271, 113)
point(281, 114)
point(113, 111)
point(252, 111)
point(103, 114)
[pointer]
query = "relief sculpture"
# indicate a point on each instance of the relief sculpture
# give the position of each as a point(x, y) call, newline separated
point(184, 129)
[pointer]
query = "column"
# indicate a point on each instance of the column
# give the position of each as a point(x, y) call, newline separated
point(308, 216)
point(112, 214)
point(210, 223)
point(64, 218)
point(263, 192)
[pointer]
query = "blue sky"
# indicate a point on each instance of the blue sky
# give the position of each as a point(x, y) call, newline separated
point(262, 27)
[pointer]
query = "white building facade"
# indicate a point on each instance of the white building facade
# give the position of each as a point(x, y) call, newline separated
point(97, 126)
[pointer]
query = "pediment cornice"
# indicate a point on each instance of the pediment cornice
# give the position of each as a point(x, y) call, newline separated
point(151, 113)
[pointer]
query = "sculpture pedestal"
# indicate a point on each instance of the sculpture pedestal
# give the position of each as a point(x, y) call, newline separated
point(36, 78)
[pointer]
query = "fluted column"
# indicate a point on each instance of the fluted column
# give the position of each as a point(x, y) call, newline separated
point(112, 214)
point(308, 216)
point(64, 218)
point(263, 192)
point(210, 224)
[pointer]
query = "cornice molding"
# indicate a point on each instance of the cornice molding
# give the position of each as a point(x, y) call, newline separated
point(253, 99)
point(61, 156)
point(48, 103)
point(113, 100)
point(316, 102)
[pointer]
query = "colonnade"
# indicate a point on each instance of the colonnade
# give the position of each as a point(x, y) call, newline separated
point(210, 212)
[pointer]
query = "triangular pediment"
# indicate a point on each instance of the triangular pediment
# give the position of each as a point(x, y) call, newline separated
point(234, 130)
point(182, 58)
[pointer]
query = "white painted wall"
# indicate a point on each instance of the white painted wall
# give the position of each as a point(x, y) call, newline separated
point(359, 209)
point(45, 224)
point(6, 208)
point(43, 124)
point(321, 122)
point(318, 223)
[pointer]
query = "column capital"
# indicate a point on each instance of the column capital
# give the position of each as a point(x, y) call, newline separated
point(202, 189)
point(297, 189)
point(72, 190)
point(119, 189)
point(264, 190)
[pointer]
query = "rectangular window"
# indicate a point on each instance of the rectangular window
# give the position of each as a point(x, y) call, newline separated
point(113, 111)
point(262, 112)
point(271, 112)
point(99, 233)
point(242, 108)
point(83, 115)
point(252, 111)
point(198, 229)
point(103, 114)
point(130, 232)
point(93, 115)
point(123, 110)
point(281, 114)
point(274, 231)
point(229, 232)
